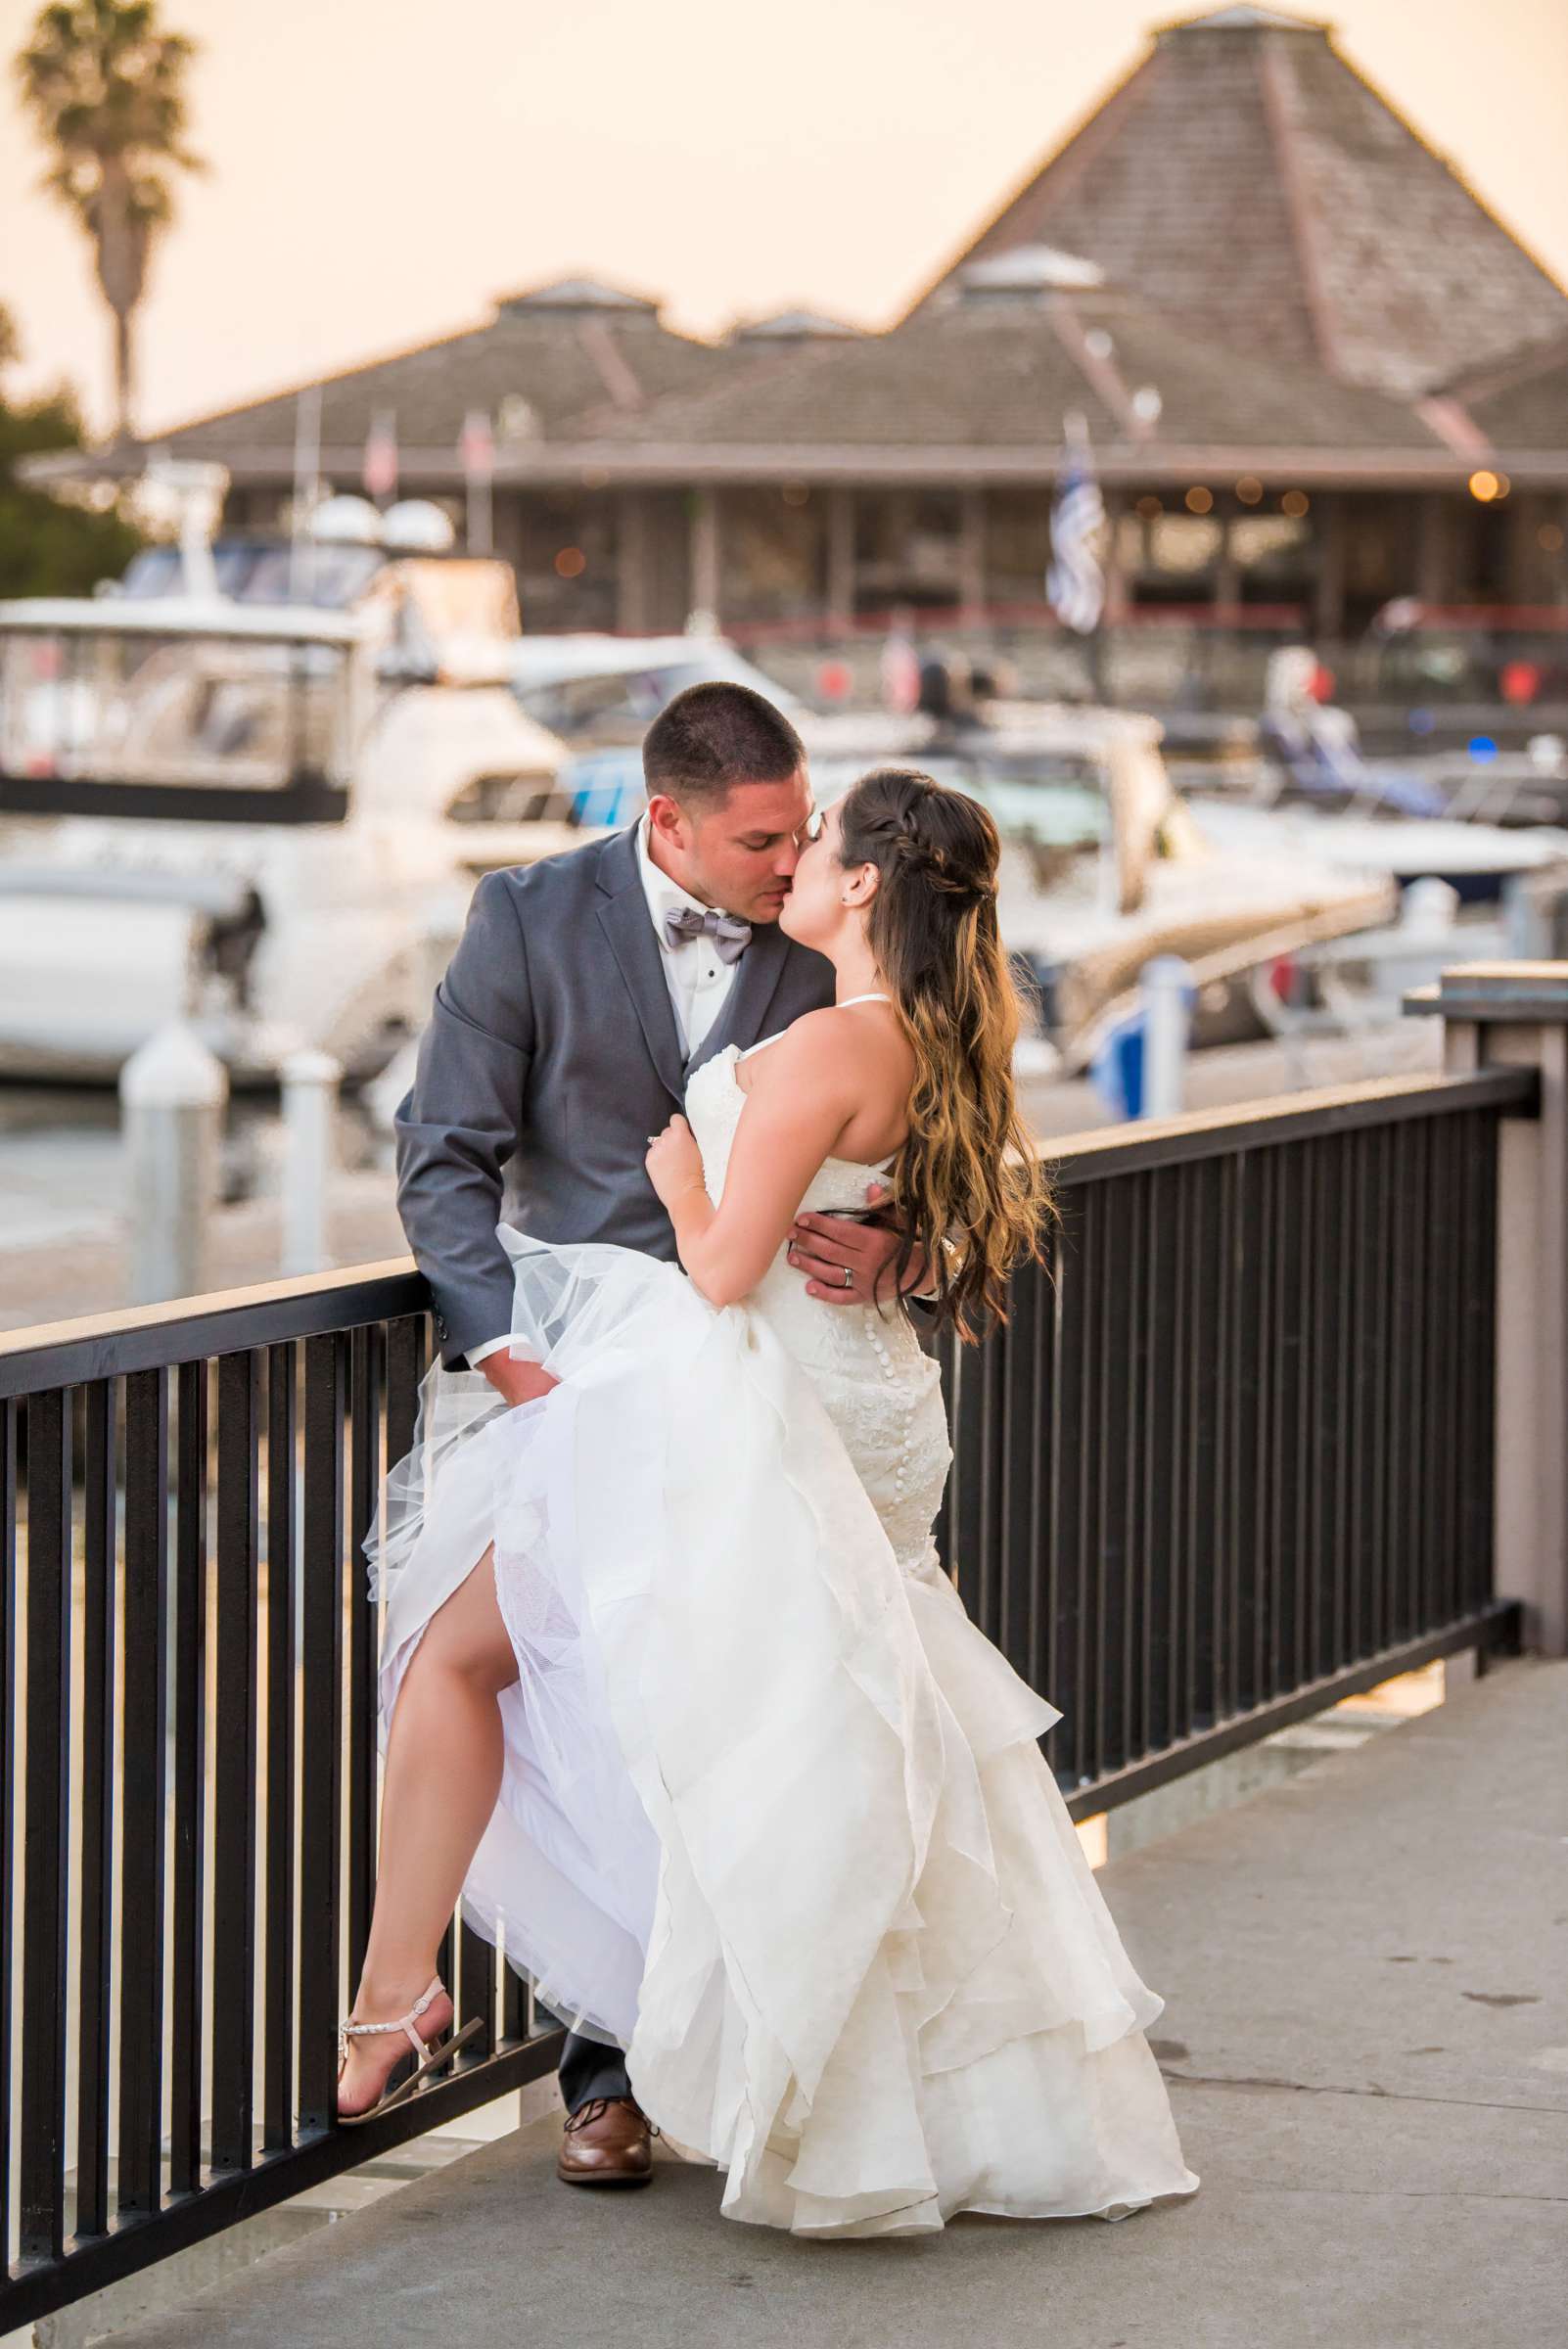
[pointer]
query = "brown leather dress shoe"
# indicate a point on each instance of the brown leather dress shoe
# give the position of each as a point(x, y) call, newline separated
point(607, 2142)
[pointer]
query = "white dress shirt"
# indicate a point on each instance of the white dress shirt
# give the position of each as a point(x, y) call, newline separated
point(698, 977)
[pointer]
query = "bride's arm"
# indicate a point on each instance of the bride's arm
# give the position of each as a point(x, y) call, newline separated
point(801, 1099)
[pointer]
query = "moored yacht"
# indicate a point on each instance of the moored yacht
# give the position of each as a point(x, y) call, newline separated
point(263, 815)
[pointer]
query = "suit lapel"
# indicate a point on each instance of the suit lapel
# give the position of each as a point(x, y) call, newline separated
point(762, 967)
point(623, 918)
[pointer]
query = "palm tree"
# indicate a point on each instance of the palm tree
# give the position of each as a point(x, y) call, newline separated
point(106, 85)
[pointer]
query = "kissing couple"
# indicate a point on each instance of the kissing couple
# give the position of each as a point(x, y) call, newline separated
point(714, 1125)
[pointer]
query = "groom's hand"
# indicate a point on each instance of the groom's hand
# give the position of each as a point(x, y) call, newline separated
point(823, 1247)
point(517, 1382)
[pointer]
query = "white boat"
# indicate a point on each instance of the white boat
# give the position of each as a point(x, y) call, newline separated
point(1478, 860)
point(1105, 866)
point(601, 693)
point(606, 690)
point(266, 817)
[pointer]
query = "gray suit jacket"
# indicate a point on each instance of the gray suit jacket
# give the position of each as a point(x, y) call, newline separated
point(551, 1054)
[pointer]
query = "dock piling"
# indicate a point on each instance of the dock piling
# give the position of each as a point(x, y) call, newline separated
point(172, 1094)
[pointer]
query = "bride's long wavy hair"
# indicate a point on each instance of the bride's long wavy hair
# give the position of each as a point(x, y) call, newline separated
point(969, 1172)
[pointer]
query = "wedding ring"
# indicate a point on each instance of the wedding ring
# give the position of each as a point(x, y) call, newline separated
point(849, 1277)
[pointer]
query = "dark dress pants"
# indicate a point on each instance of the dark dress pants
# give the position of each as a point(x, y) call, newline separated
point(588, 2068)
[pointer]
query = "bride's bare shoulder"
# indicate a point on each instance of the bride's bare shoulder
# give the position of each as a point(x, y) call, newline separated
point(854, 1073)
point(832, 1051)
point(802, 1051)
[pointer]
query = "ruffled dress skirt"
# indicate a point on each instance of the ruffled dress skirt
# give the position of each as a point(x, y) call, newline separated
point(774, 1817)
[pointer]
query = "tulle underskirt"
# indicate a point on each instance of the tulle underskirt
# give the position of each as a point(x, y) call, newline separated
point(774, 1817)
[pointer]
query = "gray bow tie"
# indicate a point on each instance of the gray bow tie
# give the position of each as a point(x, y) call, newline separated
point(729, 934)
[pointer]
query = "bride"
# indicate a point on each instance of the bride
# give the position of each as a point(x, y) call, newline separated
point(674, 1692)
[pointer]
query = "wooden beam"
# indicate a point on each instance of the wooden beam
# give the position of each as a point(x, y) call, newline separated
point(706, 560)
point(1328, 601)
point(1433, 538)
point(840, 557)
point(1228, 572)
point(631, 562)
point(972, 557)
point(433, 473)
point(1118, 600)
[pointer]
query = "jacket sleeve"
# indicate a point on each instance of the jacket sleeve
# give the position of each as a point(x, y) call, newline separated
point(463, 1118)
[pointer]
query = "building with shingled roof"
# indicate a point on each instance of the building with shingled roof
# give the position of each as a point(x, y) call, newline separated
point(1316, 371)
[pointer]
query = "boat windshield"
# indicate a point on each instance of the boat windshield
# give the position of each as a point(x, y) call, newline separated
point(619, 703)
point(259, 572)
point(193, 726)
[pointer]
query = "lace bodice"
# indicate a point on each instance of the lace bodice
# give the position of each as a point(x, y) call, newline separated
point(881, 1390)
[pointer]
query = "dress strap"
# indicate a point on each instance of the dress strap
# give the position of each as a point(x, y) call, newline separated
point(783, 1032)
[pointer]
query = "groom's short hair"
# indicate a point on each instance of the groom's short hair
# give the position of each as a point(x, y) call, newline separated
point(712, 737)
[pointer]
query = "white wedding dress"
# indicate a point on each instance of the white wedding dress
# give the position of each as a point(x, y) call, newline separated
point(774, 1817)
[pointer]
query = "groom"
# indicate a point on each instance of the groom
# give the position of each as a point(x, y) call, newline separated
point(584, 992)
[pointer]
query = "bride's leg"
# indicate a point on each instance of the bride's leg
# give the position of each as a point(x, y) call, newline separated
point(443, 1777)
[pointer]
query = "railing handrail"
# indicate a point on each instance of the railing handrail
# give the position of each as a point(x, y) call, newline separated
point(190, 1329)
point(1223, 1132)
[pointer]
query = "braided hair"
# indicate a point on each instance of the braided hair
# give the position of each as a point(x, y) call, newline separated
point(969, 1171)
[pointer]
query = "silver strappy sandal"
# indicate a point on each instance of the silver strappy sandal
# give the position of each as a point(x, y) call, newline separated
point(404, 2077)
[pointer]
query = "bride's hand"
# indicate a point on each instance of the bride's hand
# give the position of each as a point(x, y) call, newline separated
point(675, 1163)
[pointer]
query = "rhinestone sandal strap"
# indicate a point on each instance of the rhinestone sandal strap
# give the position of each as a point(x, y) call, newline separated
point(403, 2022)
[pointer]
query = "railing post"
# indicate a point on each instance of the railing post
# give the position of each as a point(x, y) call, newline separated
point(1516, 1014)
point(311, 1081)
point(1165, 997)
point(172, 1093)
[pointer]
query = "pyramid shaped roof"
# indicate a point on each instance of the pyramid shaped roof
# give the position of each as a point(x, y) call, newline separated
point(1247, 179)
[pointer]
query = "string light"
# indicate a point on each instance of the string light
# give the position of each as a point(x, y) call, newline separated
point(1295, 503)
point(570, 562)
point(1199, 500)
point(1248, 489)
point(1150, 508)
point(1549, 538)
point(1484, 487)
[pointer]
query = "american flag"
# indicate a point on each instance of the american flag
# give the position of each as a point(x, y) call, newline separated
point(1075, 583)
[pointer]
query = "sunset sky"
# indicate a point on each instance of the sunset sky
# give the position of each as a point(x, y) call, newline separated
point(382, 168)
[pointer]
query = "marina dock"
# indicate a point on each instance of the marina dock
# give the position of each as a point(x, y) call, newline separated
point(1367, 2055)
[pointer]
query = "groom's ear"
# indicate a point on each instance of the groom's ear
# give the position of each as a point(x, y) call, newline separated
point(669, 819)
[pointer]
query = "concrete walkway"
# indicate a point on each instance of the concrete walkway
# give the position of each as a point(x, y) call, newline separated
point(1367, 2036)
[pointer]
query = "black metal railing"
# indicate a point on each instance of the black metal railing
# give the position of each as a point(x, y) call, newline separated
point(1232, 1459)
point(188, 1661)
